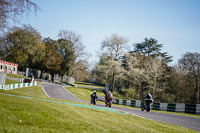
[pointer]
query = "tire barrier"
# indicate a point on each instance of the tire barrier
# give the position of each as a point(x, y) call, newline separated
point(172, 107)
point(156, 106)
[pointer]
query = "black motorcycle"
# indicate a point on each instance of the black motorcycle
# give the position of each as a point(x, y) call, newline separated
point(94, 100)
point(146, 105)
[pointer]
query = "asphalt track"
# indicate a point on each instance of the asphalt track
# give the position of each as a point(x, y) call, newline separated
point(57, 91)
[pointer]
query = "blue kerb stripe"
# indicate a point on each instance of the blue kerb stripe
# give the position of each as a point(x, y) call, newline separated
point(73, 104)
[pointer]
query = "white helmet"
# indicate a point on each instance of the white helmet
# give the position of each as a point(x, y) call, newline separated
point(94, 90)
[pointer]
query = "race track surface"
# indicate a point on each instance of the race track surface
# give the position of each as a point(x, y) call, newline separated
point(57, 91)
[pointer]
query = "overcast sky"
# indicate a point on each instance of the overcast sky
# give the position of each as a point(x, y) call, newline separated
point(174, 23)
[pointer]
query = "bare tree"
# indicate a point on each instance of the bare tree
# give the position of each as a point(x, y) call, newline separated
point(190, 62)
point(10, 10)
point(114, 46)
point(137, 72)
point(111, 69)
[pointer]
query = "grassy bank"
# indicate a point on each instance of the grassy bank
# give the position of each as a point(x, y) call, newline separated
point(84, 94)
point(87, 84)
point(29, 115)
point(16, 76)
point(8, 82)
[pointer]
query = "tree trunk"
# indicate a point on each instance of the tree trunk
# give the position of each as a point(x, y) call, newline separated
point(197, 92)
point(113, 82)
point(41, 74)
point(52, 77)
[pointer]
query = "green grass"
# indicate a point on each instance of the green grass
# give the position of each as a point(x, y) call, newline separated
point(28, 115)
point(16, 76)
point(34, 91)
point(87, 84)
point(8, 82)
point(84, 94)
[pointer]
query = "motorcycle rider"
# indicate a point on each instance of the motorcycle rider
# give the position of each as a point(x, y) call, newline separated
point(148, 100)
point(148, 97)
point(94, 96)
point(108, 96)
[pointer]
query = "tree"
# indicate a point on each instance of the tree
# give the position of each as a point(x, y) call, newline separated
point(151, 47)
point(10, 10)
point(114, 46)
point(64, 48)
point(110, 70)
point(23, 46)
point(155, 62)
point(52, 61)
point(190, 63)
point(80, 56)
point(143, 73)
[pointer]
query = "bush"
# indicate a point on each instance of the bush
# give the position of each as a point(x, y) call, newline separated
point(129, 93)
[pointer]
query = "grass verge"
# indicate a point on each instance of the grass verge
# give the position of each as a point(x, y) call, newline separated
point(87, 84)
point(16, 76)
point(84, 94)
point(29, 115)
point(8, 82)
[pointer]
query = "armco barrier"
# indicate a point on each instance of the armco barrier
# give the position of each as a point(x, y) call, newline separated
point(19, 85)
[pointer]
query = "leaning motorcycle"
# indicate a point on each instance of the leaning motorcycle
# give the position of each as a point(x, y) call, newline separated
point(146, 105)
point(109, 102)
point(93, 100)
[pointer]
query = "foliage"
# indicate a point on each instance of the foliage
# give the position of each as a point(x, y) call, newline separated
point(52, 60)
point(111, 70)
point(80, 64)
point(64, 47)
point(63, 54)
point(190, 66)
point(151, 47)
point(129, 93)
point(22, 46)
point(110, 65)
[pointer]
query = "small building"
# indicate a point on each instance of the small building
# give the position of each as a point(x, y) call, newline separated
point(8, 67)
